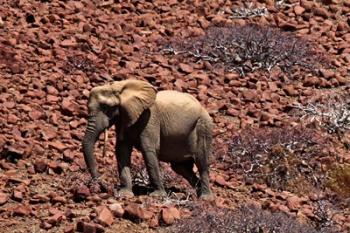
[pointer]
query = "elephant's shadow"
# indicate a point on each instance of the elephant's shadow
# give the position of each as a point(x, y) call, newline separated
point(140, 189)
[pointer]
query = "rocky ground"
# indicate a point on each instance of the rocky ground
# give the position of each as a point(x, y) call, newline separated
point(281, 139)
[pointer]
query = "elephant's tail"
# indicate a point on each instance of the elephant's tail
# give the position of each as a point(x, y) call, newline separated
point(204, 136)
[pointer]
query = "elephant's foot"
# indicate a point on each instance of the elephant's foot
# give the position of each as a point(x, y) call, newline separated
point(125, 192)
point(207, 197)
point(158, 193)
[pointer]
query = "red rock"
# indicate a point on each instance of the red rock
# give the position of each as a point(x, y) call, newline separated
point(48, 132)
point(82, 192)
point(233, 112)
point(259, 187)
point(320, 11)
point(17, 195)
point(105, 216)
point(185, 68)
point(117, 210)
point(268, 117)
point(293, 203)
point(309, 5)
point(3, 198)
point(283, 208)
point(250, 95)
point(58, 145)
point(9, 104)
point(22, 210)
point(308, 211)
point(137, 211)
point(40, 166)
point(311, 81)
point(298, 10)
point(39, 199)
point(289, 89)
point(35, 115)
point(99, 228)
point(169, 215)
point(74, 124)
point(46, 225)
point(272, 86)
point(69, 43)
point(69, 107)
point(153, 222)
point(328, 74)
point(12, 118)
point(220, 180)
point(220, 202)
point(55, 219)
point(89, 227)
point(127, 49)
point(59, 199)
point(69, 229)
point(69, 213)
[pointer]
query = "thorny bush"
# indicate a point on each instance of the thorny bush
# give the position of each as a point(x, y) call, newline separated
point(248, 48)
point(169, 178)
point(248, 219)
point(331, 113)
point(287, 158)
point(79, 62)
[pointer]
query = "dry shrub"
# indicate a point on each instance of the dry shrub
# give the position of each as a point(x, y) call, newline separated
point(331, 113)
point(79, 62)
point(170, 179)
point(247, 219)
point(285, 158)
point(339, 180)
point(248, 48)
point(249, 11)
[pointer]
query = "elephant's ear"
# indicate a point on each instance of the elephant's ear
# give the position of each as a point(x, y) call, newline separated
point(135, 97)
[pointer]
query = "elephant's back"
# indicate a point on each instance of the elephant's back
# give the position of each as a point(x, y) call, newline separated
point(179, 112)
point(177, 104)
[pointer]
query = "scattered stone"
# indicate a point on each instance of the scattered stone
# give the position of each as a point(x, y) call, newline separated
point(89, 227)
point(55, 219)
point(81, 192)
point(3, 198)
point(136, 211)
point(105, 216)
point(293, 203)
point(22, 210)
point(69, 229)
point(17, 195)
point(185, 68)
point(169, 215)
point(298, 10)
point(40, 166)
point(220, 180)
point(117, 210)
point(58, 145)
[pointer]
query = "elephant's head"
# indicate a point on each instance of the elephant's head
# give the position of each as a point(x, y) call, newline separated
point(122, 101)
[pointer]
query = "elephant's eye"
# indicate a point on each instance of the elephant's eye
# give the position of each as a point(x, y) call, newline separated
point(104, 107)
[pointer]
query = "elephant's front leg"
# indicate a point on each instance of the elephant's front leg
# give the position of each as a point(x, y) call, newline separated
point(152, 165)
point(123, 154)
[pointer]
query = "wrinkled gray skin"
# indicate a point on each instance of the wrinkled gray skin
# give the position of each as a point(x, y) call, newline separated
point(166, 126)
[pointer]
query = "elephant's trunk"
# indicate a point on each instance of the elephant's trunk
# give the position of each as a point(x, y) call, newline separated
point(91, 135)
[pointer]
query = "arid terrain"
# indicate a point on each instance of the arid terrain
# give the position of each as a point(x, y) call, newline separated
point(274, 76)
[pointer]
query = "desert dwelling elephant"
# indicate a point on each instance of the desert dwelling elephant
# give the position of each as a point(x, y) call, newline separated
point(167, 126)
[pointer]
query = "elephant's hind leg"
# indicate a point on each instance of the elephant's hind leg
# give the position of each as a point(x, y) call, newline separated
point(204, 148)
point(185, 169)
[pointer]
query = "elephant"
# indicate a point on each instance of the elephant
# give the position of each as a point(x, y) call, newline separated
point(168, 126)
